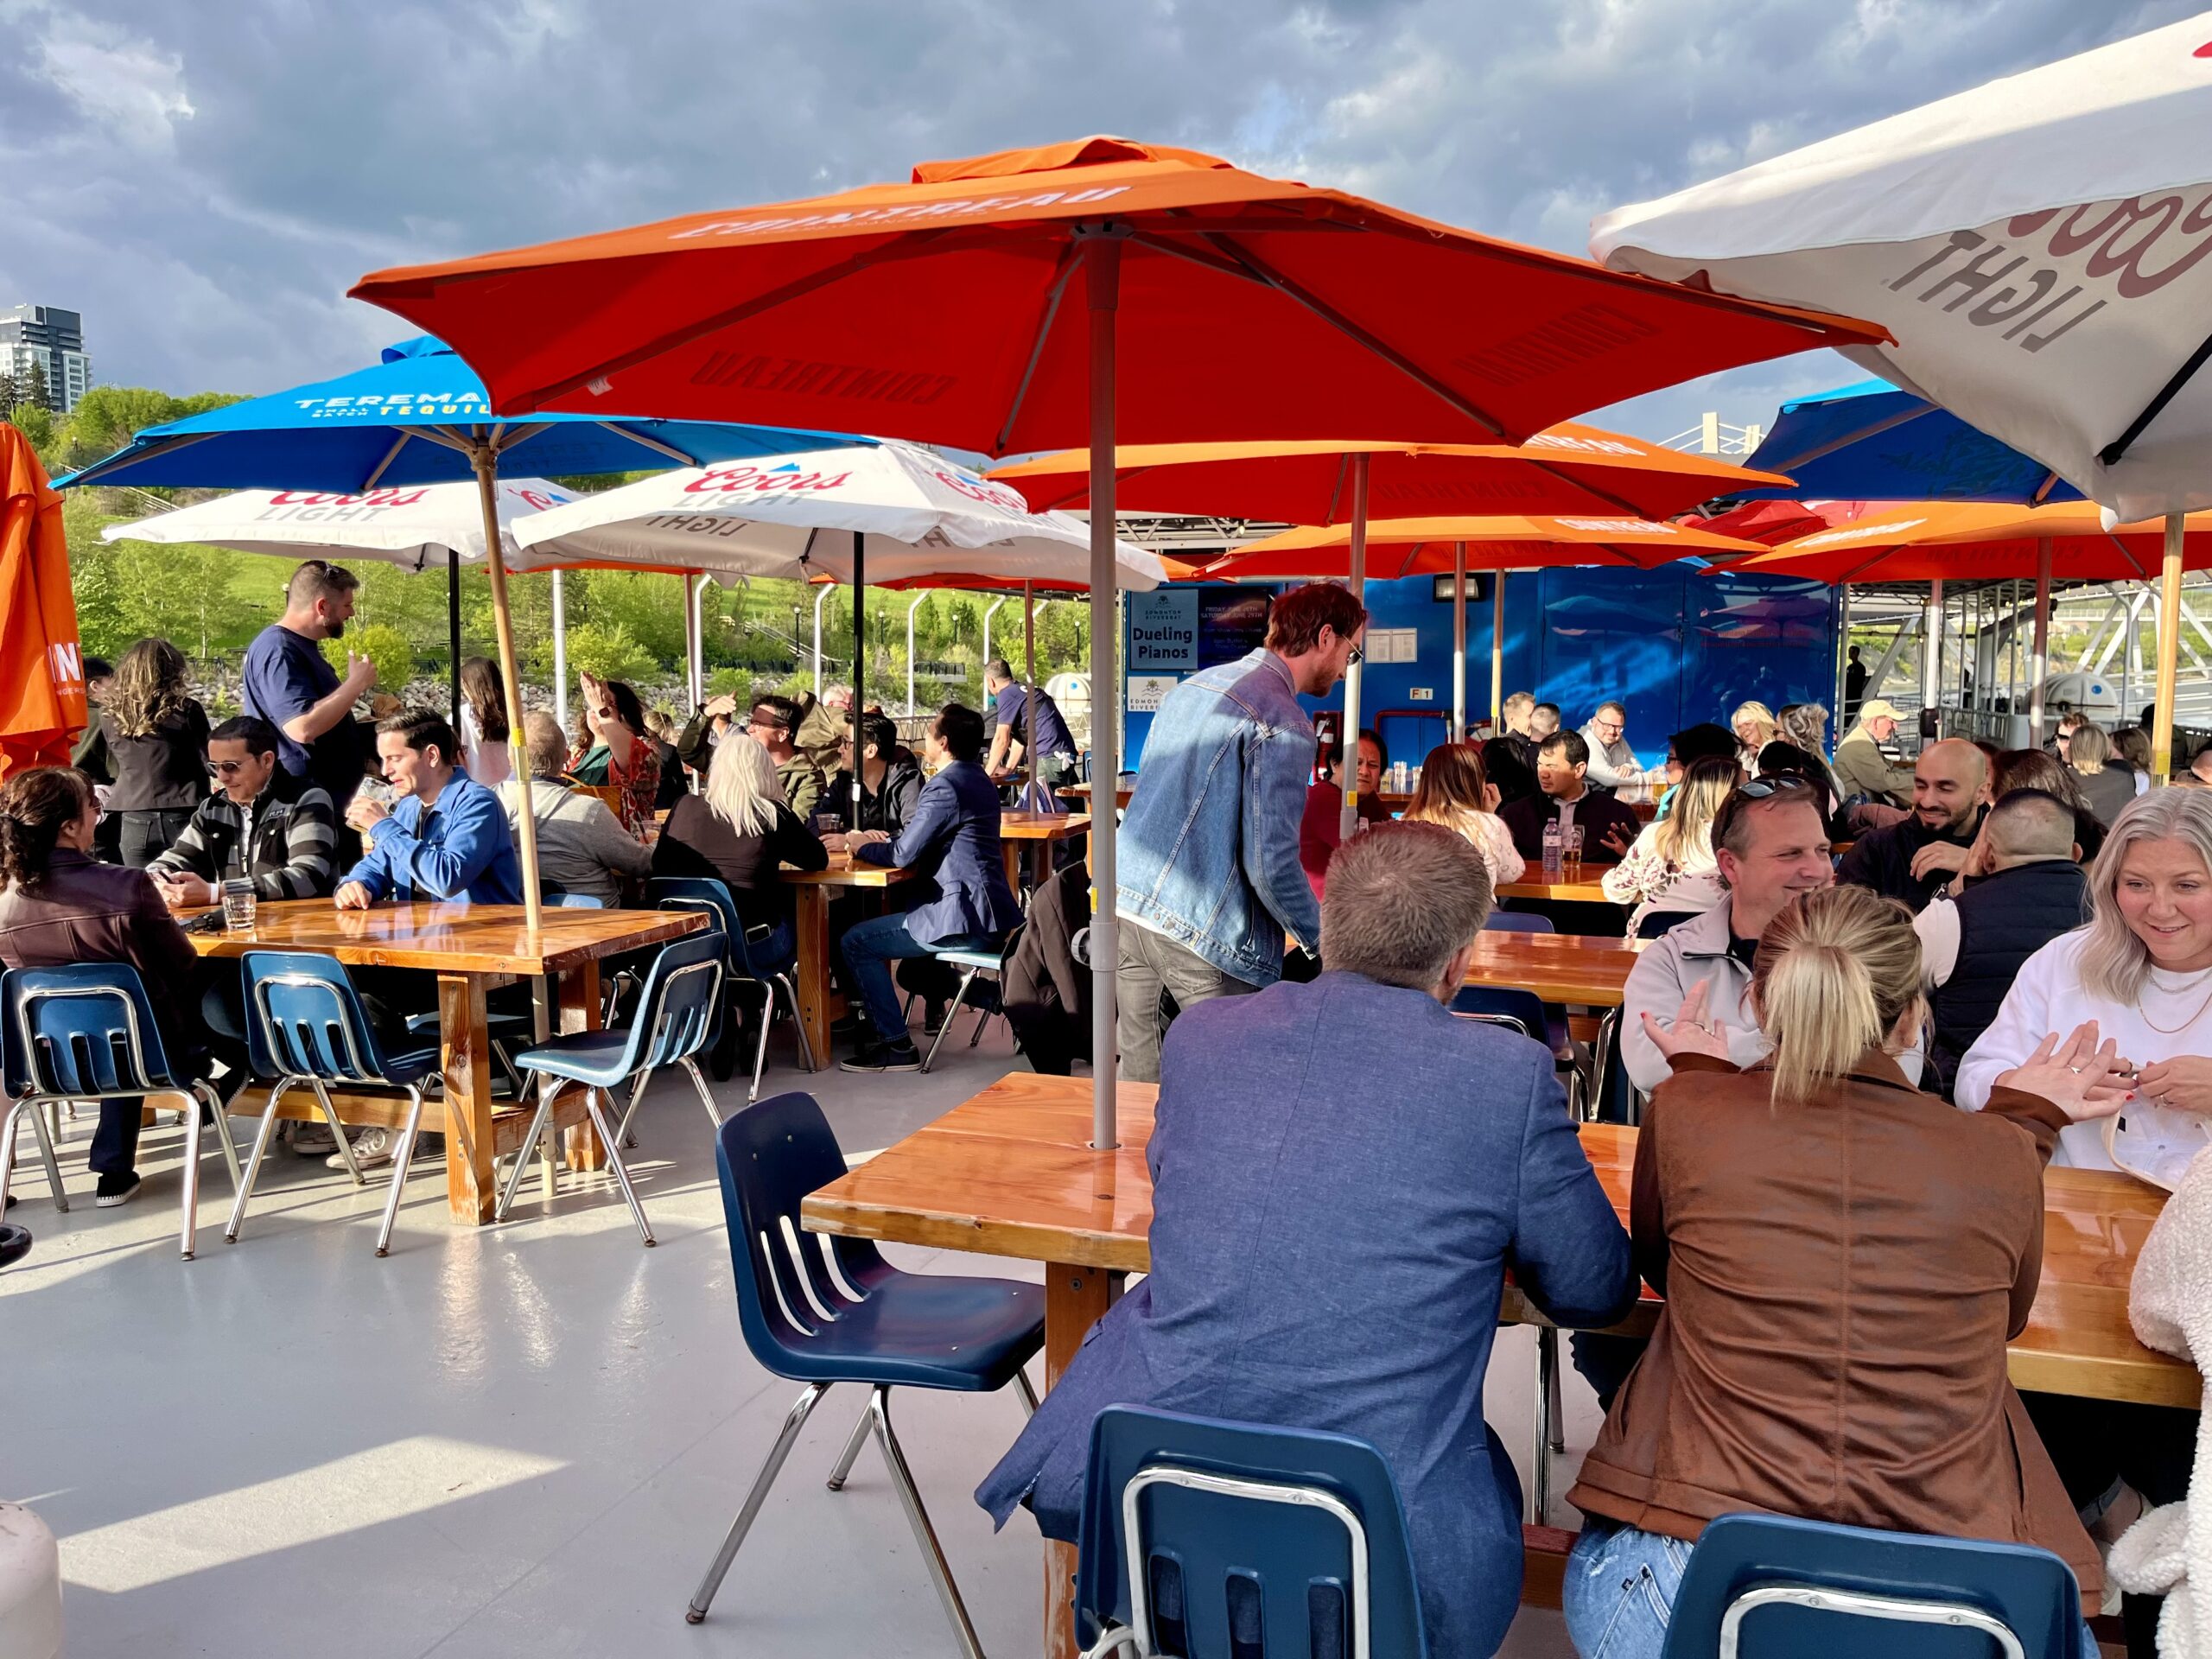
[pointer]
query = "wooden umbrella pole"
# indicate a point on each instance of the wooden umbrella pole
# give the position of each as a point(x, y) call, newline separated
point(1103, 257)
point(1042, 803)
point(486, 460)
point(1497, 656)
point(2162, 721)
point(1348, 743)
point(1459, 644)
point(453, 628)
point(860, 654)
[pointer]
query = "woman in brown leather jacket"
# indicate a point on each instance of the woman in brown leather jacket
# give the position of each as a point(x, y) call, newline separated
point(59, 906)
point(1844, 1259)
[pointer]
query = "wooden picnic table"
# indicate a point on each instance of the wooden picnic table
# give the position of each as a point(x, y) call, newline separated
point(472, 950)
point(1576, 968)
point(812, 892)
point(1010, 1173)
point(1034, 833)
point(1583, 888)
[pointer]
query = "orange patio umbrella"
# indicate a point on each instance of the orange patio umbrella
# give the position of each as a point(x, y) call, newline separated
point(1570, 468)
point(1935, 542)
point(42, 669)
point(1423, 547)
point(994, 303)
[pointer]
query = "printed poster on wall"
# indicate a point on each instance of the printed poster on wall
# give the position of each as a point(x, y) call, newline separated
point(1164, 632)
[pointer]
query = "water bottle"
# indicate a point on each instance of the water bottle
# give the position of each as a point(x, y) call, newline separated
point(1554, 844)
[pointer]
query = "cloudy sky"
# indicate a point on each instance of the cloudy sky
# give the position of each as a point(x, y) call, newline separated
point(203, 179)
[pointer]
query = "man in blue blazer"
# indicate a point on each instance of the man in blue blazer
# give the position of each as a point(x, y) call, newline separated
point(961, 901)
point(1328, 1250)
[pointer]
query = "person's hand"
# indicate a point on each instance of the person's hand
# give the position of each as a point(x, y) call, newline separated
point(362, 812)
point(1696, 1032)
point(723, 706)
point(1617, 841)
point(2076, 1076)
point(835, 841)
point(183, 888)
point(361, 673)
point(383, 705)
point(1490, 798)
point(352, 895)
point(2184, 1082)
point(856, 838)
point(1939, 855)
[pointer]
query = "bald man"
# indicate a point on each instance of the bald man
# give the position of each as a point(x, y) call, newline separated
point(2022, 887)
point(1911, 859)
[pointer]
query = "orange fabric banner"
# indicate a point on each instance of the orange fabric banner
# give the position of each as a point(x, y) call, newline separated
point(42, 667)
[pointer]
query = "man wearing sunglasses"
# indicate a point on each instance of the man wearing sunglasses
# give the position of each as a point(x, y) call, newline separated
point(264, 824)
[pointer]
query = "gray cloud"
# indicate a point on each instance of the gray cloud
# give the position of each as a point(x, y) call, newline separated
point(205, 180)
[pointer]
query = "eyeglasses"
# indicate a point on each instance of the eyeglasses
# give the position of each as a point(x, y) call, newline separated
point(1355, 655)
point(224, 768)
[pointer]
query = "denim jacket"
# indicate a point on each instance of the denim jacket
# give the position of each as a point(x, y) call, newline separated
point(1208, 856)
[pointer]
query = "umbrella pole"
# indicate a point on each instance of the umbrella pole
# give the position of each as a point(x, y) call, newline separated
point(1029, 697)
point(1497, 657)
point(453, 628)
point(1459, 644)
point(1348, 767)
point(860, 658)
point(2039, 664)
point(486, 460)
point(2162, 721)
point(1931, 657)
point(560, 654)
point(1103, 256)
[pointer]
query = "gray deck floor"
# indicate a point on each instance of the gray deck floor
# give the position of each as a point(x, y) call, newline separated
point(526, 1438)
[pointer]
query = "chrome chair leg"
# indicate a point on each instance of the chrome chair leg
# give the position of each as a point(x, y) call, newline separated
point(549, 1090)
point(404, 1155)
point(337, 1129)
point(917, 1517)
point(761, 1048)
point(592, 1098)
point(262, 1137)
point(636, 1094)
point(1025, 1393)
point(220, 1108)
point(188, 1233)
point(8, 1137)
point(854, 1441)
point(959, 1000)
point(1557, 1404)
point(706, 1096)
point(790, 996)
point(793, 1421)
point(1540, 1472)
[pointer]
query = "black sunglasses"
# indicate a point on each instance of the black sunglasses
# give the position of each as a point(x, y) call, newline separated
point(1759, 788)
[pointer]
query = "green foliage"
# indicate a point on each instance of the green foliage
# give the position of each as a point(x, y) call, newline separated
point(607, 651)
point(383, 644)
point(730, 682)
point(41, 425)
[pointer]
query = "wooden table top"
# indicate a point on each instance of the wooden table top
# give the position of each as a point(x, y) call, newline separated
point(449, 938)
point(1558, 967)
point(1043, 826)
point(844, 872)
point(1585, 888)
point(1010, 1173)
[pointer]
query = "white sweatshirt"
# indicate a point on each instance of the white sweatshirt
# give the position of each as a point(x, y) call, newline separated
point(2048, 996)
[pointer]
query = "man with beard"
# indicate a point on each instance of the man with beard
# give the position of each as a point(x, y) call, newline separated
point(1911, 859)
point(289, 685)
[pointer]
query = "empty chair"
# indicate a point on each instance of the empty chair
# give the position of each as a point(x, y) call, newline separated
point(1502, 1005)
point(675, 1018)
point(1517, 921)
point(1657, 922)
point(305, 1027)
point(1767, 1587)
point(820, 1311)
point(970, 963)
point(709, 893)
point(86, 1031)
point(1231, 1541)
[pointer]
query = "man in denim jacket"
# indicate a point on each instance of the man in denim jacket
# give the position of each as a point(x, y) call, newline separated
point(1209, 878)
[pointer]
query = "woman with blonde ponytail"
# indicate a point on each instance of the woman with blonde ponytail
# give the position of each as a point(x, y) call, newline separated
point(1843, 1259)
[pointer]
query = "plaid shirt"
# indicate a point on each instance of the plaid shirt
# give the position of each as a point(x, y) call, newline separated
point(286, 841)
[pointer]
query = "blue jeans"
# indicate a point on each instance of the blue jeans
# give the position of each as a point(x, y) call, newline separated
point(775, 954)
point(871, 947)
point(1620, 1588)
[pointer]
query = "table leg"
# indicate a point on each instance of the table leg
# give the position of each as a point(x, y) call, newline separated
point(1074, 1300)
point(811, 918)
point(1010, 855)
point(465, 1035)
point(580, 1005)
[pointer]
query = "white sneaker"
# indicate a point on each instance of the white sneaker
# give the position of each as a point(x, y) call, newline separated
point(311, 1139)
point(372, 1150)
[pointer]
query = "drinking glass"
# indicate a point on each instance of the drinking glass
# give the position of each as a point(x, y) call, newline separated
point(1571, 852)
point(239, 904)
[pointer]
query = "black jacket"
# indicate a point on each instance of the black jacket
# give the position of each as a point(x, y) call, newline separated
point(1882, 859)
point(1046, 995)
point(2004, 920)
point(886, 810)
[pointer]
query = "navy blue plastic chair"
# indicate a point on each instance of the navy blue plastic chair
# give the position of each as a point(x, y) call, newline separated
point(86, 1031)
point(1657, 923)
point(820, 1311)
point(970, 963)
point(675, 1018)
point(1231, 1541)
point(305, 1027)
point(712, 894)
point(1517, 921)
point(1764, 1586)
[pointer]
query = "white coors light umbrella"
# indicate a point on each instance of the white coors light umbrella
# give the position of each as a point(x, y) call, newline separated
point(2040, 249)
point(897, 511)
point(415, 525)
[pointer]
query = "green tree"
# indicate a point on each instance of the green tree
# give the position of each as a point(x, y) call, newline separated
point(37, 423)
point(93, 575)
point(383, 644)
point(41, 391)
point(180, 594)
point(607, 651)
point(648, 607)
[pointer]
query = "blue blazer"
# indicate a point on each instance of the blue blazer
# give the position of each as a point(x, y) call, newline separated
point(1328, 1253)
point(952, 841)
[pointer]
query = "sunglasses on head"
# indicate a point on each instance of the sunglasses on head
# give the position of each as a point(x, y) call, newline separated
point(1759, 788)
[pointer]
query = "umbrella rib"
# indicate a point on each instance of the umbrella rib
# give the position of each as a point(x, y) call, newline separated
point(1336, 494)
point(160, 446)
point(1320, 308)
point(2111, 454)
point(1068, 262)
point(636, 436)
point(1859, 434)
point(385, 465)
point(909, 246)
point(2134, 562)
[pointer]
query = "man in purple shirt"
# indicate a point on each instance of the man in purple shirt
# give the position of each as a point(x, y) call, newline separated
point(288, 684)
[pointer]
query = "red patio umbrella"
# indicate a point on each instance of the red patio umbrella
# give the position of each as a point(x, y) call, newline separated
point(42, 669)
point(940, 309)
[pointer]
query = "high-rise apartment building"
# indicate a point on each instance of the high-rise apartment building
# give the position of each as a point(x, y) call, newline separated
point(44, 343)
